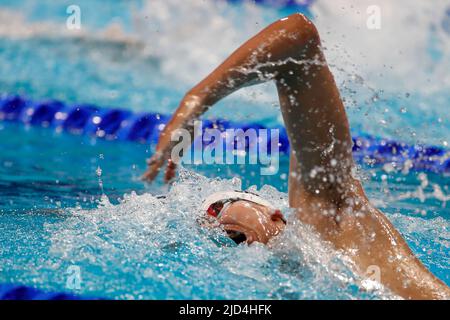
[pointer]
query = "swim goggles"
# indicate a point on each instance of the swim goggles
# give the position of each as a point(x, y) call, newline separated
point(215, 204)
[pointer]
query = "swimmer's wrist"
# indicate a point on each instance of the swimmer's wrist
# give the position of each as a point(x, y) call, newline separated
point(157, 156)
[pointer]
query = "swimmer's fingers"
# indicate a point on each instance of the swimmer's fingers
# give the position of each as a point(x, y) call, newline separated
point(154, 167)
point(170, 171)
point(151, 173)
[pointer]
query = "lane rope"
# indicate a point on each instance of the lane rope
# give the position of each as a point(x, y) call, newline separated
point(124, 125)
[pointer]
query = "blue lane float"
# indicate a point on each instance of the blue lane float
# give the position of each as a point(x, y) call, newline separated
point(124, 125)
point(286, 4)
point(21, 292)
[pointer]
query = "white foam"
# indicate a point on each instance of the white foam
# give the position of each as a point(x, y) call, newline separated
point(162, 241)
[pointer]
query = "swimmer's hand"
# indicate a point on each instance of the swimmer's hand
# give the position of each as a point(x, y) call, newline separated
point(191, 107)
point(155, 163)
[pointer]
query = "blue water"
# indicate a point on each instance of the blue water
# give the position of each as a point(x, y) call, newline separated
point(68, 200)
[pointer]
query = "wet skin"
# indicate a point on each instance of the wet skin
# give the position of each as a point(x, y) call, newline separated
point(321, 186)
point(250, 222)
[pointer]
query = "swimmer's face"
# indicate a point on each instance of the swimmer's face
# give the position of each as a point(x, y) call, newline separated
point(250, 222)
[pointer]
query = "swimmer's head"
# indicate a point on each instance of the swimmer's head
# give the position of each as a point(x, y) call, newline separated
point(247, 220)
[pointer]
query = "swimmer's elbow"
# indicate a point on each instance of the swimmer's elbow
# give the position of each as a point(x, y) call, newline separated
point(301, 27)
point(302, 21)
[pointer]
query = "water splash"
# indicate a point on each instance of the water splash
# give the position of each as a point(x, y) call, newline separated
point(391, 49)
point(423, 192)
point(153, 248)
point(405, 61)
point(159, 245)
point(205, 33)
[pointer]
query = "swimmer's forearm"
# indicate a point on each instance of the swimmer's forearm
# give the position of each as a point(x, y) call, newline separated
point(259, 59)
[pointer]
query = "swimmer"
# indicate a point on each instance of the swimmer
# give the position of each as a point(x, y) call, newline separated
point(322, 188)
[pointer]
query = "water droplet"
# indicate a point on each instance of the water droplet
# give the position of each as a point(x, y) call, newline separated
point(98, 172)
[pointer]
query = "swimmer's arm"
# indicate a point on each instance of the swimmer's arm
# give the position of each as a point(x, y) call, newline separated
point(320, 139)
point(260, 59)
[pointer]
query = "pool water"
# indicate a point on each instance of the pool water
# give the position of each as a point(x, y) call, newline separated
point(68, 200)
